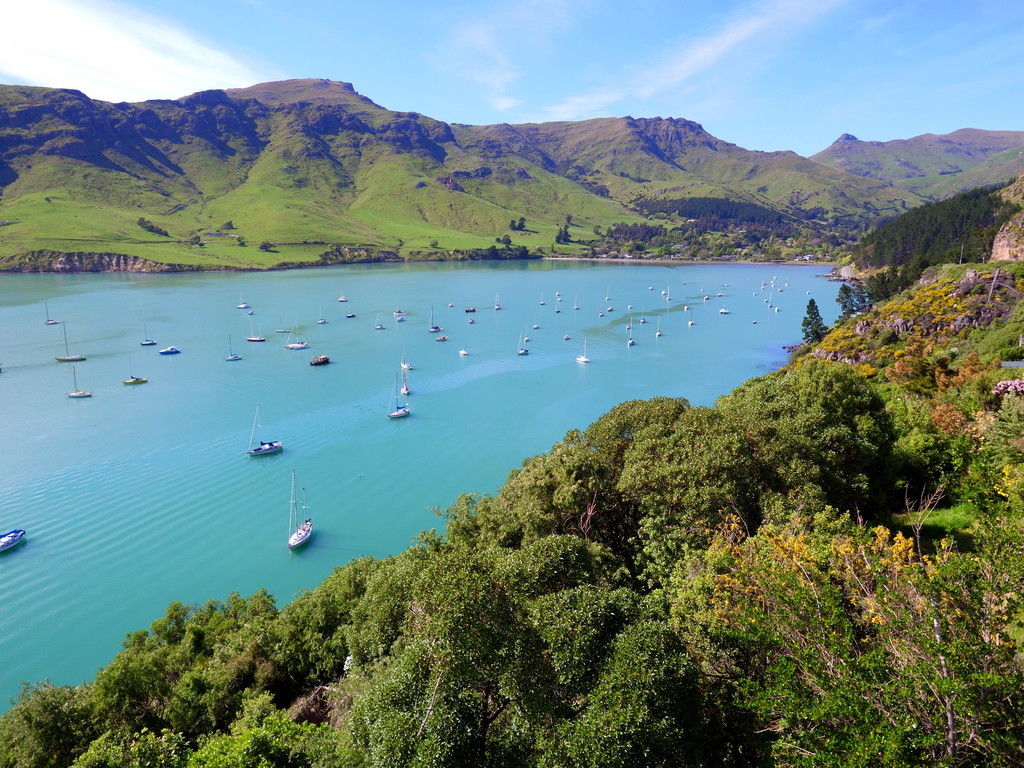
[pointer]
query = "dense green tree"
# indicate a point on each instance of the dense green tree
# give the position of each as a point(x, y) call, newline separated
point(48, 727)
point(813, 326)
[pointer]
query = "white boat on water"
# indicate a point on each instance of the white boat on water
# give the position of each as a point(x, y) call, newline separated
point(298, 533)
point(255, 337)
point(76, 392)
point(146, 341)
point(264, 447)
point(296, 343)
point(404, 389)
point(400, 409)
point(231, 356)
point(583, 358)
point(49, 320)
point(11, 539)
point(68, 357)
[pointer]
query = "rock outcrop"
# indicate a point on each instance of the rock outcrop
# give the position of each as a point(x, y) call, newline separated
point(1009, 241)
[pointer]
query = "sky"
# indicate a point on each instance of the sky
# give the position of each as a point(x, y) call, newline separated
point(764, 74)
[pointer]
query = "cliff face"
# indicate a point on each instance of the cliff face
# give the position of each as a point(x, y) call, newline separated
point(1009, 241)
point(81, 261)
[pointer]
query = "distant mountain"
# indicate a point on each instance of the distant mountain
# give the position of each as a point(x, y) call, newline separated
point(302, 164)
point(934, 166)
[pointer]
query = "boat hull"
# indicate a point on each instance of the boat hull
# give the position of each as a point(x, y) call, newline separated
point(266, 449)
point(11, 539)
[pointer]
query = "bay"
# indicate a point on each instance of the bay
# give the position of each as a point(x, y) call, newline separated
point(143, 494)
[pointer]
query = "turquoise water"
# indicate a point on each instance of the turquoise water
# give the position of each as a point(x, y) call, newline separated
point(143, 495)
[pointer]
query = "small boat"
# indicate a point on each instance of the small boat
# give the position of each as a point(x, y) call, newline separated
point(406, 366)
point(399, 318)
point(471, 321)
point(400, 410)
point(469, 309)
point(170, 351)
point(254, 337)
point(583, 358)
point(320, 360)
point(299, 533)
point(723, 311)
point(643, 320)
point(432, 327)
point(609, 309)
point(67, 357)
point(522, 350)
point(600, 314)
point(250, 313)
point(132, 378)
point(264, 447)
point(146, 341)
point(297, 344)
point(322, 320)
point(754, 322)
point(441, 338)
point(11, 539)
point(630, 341)
point(242, 304)
point(566, 337)
point(231, 356)
point(450, 304)
point(343, 298)
point(535, 326)
point(378, 325)
point(350, 315)
point(497, 304)
point(49, 320)
point(463, 353)
point(404, 389)
point(76, 392)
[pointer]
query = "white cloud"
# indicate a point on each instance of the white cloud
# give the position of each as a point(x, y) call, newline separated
point(766, 21)
point(113, 52)
point(478, 44)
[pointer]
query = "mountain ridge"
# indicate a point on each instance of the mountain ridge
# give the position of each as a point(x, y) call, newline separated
point(307, 162)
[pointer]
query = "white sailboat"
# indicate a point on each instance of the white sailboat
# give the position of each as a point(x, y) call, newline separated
point(76, 392)
point(431, 327)
point(296, 343)
point(67, 357)
point(264, 447)
point(298, 533)
point(583, 358)
point(400, 410)
point(658, 333)
point(322, 320)
point(146, 341)
point(242, 303)
point(231, 356)
point(522, 348)
point(254, 337)
point(405, 384)
point(49, 320)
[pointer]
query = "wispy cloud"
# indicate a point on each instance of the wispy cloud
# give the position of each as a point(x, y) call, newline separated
point(771, 20)
point(112, 51)
point(478, 45)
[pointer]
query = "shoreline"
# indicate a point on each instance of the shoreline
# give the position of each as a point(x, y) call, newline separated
point(690, 262)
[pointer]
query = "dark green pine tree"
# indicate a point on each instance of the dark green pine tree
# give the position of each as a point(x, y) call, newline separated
point(813, 326)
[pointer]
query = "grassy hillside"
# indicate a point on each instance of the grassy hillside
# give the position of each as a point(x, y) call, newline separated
point(307, 163)
point(934, 166)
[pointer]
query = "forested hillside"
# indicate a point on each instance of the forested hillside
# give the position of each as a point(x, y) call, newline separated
point(825, 568)
point(961, 229)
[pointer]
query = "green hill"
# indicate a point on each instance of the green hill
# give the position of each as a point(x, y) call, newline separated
point(934, 166)
point(304, 164)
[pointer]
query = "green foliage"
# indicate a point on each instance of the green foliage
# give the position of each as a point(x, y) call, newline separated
point(48, 727)
point(814, 328)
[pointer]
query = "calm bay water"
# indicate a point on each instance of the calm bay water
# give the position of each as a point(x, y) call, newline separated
point(143, 495)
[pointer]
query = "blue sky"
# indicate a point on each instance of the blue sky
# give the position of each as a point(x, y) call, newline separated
point(765, 74)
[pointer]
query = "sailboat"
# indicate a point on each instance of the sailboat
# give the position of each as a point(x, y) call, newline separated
point(76, 392)
point(497, 304)
point(264, 448)
point(254, 337)
point(342, 298)
point(583, 358)
point(231, 355)
point(658, 333)
point(433, 328)
point(68, 357)
point(241, 303)
point(132, 378)
point(49, 320)
point(406, 365)
point(322, 320)
point(400, 410)
point(297, 344)
point(378, 326)
point(298, 534)
point(629, 336)
point(405, 384)
point(690, 321)
point(522, 350)
point(146, 341)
